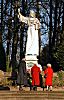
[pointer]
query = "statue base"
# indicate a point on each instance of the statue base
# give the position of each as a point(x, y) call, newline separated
point(30, 61)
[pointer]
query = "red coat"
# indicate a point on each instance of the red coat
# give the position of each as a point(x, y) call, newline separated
point(35, 72)
point(48, 79)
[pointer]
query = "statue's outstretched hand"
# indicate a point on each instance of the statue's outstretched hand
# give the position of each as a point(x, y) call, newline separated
point(18, 10)
point(21, 17)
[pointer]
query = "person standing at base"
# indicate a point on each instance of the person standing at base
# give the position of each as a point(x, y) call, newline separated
point(22, 74)
point(48, 74)
point(35, 72)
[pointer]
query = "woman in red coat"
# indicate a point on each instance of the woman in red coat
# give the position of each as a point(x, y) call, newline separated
point(35, 72)
point(48, 76)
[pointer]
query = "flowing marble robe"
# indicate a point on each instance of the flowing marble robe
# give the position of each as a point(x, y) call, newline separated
point(32, 45)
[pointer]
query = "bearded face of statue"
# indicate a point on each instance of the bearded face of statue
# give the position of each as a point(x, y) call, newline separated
point(32, 13)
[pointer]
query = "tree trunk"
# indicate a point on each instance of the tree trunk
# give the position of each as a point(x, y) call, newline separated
point(15, 39)
point(37, 15)
point(55, 24)
point(2, 51)
point(50, 33)
point(22, 49)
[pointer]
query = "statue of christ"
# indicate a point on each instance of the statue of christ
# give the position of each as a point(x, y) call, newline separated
point(32, 45)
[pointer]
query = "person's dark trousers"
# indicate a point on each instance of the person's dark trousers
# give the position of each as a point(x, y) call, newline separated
point(35, 88)
point(31, 88)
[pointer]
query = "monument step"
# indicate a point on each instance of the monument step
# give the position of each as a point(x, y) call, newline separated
point(31, 95)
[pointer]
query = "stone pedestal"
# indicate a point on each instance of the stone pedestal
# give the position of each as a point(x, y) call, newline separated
point(30, 61)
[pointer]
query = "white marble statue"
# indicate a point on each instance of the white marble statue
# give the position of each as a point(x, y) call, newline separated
point(32, 46)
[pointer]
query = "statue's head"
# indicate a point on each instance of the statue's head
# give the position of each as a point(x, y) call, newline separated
point(32, 13)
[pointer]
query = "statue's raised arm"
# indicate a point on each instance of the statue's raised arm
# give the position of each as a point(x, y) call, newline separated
point(22, 18)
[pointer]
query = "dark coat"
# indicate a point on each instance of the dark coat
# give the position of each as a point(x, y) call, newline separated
point(22, 74)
